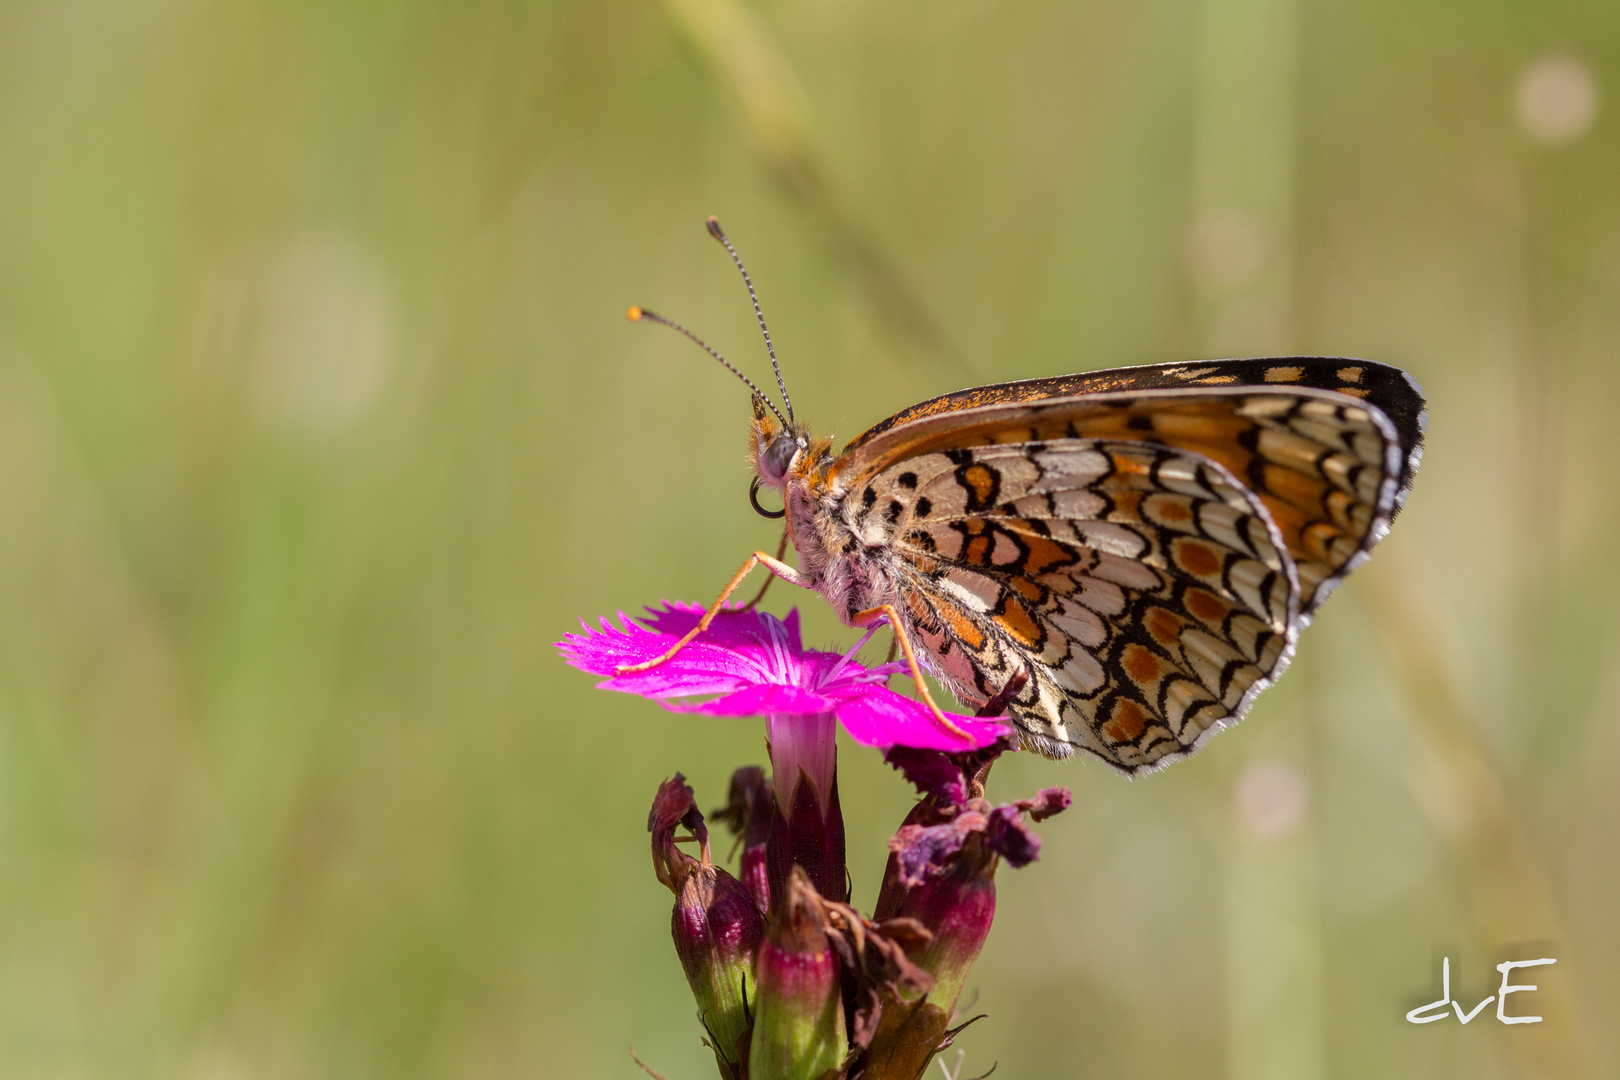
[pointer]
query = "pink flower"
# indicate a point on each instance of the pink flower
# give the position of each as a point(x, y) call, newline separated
point(756, 666)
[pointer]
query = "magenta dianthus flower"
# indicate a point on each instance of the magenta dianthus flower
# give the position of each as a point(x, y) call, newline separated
point(792, 983)
point(757, 666)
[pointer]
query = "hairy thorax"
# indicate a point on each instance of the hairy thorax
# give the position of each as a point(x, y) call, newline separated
point(849, 561)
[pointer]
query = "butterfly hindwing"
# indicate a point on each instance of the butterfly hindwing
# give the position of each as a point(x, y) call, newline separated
point(1327, 469)
point(1142, 588)
point(1147, 543)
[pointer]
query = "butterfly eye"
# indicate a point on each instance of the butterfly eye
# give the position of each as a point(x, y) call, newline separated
point(753, 500)
point(778, 456)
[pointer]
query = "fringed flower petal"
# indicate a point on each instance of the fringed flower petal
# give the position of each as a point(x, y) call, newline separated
point(751, 663)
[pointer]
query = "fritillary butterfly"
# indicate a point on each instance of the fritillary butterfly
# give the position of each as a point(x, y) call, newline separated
point(1122, 560)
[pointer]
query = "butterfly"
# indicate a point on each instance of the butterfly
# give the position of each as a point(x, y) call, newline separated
point(1119, 560)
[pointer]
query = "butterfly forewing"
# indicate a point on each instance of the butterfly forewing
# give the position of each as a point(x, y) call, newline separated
point(1328, 468)
point(1385, 387)
point(1146, 543)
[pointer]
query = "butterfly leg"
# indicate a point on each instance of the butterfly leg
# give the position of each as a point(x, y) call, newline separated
point(777, 567)
point(781, 549)
point(888, 614)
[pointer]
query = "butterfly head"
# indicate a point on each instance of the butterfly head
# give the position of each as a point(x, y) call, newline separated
point(780, 451)
point(775, 445)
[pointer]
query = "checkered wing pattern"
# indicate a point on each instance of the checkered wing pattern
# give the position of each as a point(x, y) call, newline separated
point(1148, 547)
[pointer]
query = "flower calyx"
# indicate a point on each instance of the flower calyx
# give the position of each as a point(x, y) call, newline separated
point(716, 924)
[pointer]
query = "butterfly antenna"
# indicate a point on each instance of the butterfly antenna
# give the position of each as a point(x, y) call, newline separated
point(716, 232)
point(638, 314)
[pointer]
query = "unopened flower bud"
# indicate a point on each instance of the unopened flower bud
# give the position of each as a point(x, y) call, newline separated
point(957, 905)
point(716, 925)
point(799, 1029)
point(941, 873)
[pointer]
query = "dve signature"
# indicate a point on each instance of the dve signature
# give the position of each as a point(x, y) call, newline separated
point(1500, 997)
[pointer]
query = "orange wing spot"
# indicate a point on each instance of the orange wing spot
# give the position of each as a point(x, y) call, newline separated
point(1318, 539)
point(1197, 559)
point(1163, 624)
point(1027, 589)
point(1043, 555)
point(1186, 426)
point(1231, 454)
point(1290, 520)
point(1050, 427)
point(1109, 425)
point(1127, 506)
point(1168, 509)
point(963, 627)
point(1340, 505)
point(1128, 465)
point(978, 550)
point(1349, 374)
point(1353, 391)
point(1205, 605)
point(1128, 722)
point(1016, 619)
point(981, 481)
point(1294, 487)
point(1142, 665)
point(1284, 374)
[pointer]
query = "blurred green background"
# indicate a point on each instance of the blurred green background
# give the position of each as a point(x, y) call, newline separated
point(320, 421)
